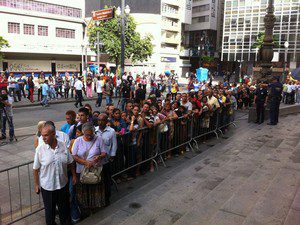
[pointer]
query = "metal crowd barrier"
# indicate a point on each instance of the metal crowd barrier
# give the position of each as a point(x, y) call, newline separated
point(18, 198)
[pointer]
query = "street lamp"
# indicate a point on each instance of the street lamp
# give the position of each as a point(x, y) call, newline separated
point(98, 45)
point(256, 53)
point(199, 52)
point(123, 12)
point(286, 46)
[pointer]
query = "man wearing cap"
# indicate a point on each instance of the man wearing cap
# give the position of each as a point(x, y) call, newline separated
point(274, 97)
point(78, 86)
point(260, 99)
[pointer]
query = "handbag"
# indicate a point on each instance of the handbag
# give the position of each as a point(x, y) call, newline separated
point(91, 175)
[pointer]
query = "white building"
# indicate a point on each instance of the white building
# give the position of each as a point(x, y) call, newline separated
point(203, 35)
point(44, 35)
point(164, 20)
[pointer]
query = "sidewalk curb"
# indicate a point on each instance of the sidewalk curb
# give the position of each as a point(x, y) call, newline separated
point(52, 102)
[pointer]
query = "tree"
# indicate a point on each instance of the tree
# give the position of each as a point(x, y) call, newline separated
point(260, 40)
point(3, 44)
point(136, 47)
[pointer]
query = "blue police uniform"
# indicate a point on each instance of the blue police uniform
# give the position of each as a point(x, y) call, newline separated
point(275, 91)
point(261, 95)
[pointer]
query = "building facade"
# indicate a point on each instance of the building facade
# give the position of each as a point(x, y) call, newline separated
point(164, 20)
point(44, 35)
point(203, 35)
point(244, 21)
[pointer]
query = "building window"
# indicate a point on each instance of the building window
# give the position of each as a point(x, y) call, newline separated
point(201, 8)
point(42, 30)
point(42, 7)
point(28, 29)
point(200, 19)
point(65, 33)
point(13, 28)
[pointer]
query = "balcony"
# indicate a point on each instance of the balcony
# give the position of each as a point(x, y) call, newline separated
point(170, 14)
point(171, 40)
point(171, 26)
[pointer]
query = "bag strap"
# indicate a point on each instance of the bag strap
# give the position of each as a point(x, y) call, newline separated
point(88, 151)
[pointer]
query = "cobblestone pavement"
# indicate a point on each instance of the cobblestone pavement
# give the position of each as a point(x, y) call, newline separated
point(252, 178)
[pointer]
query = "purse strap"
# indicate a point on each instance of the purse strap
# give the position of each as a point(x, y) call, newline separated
point(88, 151)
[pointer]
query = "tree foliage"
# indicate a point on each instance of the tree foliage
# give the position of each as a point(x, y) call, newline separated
point(3, 44)
point(137, 48)
point(260, 40)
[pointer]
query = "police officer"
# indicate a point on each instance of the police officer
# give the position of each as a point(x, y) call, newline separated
point(275, 91)
point(260, 99)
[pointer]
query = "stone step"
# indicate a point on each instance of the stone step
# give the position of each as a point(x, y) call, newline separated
point(207, 158)
point(272, 208)
point(190, 193)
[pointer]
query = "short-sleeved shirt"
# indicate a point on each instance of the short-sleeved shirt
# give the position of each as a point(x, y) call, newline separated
point(261, 95)
point(10, 82)
point(81, 147)
point(60, 136)
point(45, 89)
point(78, 85)
point(188, 106)
point(52, 164)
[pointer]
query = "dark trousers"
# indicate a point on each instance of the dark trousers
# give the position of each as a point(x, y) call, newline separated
point(274, 111)
point(11, 127)
point(78, 97)
point(99, 100)
point(59, 198)
point(58, 90)
point(106, 170)
point(72, 92)
point(260, 112)
point(39, 94)
point(67, 92)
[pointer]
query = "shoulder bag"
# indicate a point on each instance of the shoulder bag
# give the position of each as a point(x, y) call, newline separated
point(91, 175)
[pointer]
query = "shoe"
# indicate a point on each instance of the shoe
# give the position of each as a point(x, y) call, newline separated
point(11, 139)
point(76, 105)
point(272, 124)
point(2, 138)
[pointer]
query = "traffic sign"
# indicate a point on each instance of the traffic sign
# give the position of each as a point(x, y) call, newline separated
point(103, 14)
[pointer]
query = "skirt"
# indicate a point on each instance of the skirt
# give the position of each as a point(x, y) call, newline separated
point(90, 196)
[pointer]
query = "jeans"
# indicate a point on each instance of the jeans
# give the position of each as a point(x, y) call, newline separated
point(107, 99)
point(12, 93)
point(52, 93)
point(45, 100)
point(11, 127)
point(75, 213)
point(99, 100)
point(123, 103)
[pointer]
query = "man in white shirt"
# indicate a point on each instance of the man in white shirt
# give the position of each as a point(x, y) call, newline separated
point(51, 162)
point(12, 86)
point(109, 139)
point(78, 86)
point(212, 100)
point(99, 90)
point(60, 136)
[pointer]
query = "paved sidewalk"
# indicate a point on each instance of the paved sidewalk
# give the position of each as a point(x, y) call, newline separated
point(252, 178)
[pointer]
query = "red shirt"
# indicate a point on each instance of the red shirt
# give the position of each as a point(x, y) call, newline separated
point(3, 82)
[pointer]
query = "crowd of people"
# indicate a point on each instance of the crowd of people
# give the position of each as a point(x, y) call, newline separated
point(74, 163)
point(103, 140)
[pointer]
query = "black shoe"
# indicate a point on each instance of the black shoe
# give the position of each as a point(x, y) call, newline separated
point(272, 124)
point(76, 105)
point(256, 121)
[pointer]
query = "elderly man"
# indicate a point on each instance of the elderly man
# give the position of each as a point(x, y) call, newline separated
point(109, 138)
point(51, 161)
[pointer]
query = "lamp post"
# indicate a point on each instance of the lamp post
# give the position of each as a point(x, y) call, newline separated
point(267, 46)
point(284, 75)
point(98, 45)
point(256, 53)
point(123, 12)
